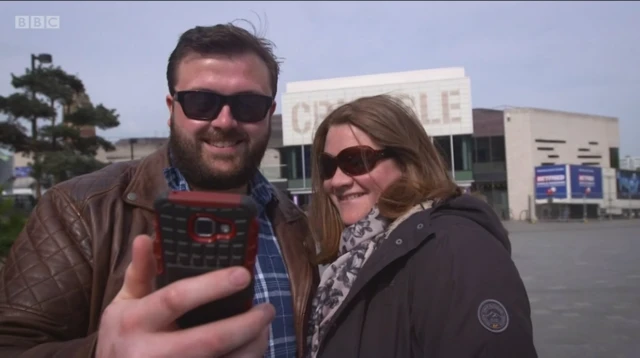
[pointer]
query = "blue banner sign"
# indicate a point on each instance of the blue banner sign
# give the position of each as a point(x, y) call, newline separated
point(586, 182)
point(21, 172)
point(551, 181)
point(628, 184)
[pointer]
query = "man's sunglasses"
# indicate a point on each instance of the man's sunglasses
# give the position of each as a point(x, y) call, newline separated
point(352, 161)
point(206, 105)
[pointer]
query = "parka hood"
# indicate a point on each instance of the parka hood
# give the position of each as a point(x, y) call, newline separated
point(472, 208)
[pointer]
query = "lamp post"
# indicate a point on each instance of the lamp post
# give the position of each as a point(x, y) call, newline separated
point(41, 58)
point(132, 141)
point(587, 191)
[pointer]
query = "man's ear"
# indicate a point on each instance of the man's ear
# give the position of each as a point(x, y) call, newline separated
point(273, 108)
point(169, 100)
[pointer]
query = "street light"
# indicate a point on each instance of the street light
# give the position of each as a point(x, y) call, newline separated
point(42, 58)
point(132, 141)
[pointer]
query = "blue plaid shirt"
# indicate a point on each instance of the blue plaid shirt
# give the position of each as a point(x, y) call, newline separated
point(271, 278)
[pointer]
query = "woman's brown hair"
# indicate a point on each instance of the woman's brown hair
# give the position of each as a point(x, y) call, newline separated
point(393, 125)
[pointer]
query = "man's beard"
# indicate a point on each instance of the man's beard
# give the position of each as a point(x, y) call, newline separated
point(187, 156)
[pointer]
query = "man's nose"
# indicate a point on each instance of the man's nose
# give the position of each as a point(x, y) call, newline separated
point(225, 120)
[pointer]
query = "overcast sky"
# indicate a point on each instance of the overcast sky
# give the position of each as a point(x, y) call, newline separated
point(582, 57)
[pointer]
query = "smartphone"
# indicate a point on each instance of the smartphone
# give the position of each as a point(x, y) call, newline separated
point(199, 232)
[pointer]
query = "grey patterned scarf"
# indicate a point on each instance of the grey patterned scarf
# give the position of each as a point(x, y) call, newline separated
point(358, 242)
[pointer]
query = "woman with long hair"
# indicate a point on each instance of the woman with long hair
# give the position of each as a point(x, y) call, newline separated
point(415, 267)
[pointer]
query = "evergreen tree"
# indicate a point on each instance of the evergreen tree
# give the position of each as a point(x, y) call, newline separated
point(45, 118)
point(11, 223)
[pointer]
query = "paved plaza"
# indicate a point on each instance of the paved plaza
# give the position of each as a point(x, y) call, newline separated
point(583, 281)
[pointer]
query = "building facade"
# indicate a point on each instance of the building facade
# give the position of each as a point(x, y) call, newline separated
point(21, 181)
point(538, 137)
point(440, 97)
point(489, 159)
point(630, 163)
point(272, 165)
point(131, 149)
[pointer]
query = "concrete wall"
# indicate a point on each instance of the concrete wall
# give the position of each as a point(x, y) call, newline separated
point(21, 160)
point(276, 132)
point(519, 162)
point(271, 164)
point(536, 136)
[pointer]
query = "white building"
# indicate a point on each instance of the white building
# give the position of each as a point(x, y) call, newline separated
point(440, 97)
point(630, 163)
point(536, 137)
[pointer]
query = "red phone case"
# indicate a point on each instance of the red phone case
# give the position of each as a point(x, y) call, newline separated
point(183, 251)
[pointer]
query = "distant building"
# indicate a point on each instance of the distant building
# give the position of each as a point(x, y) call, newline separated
point(6, 168)
point(491, 153)
point(131, 149)
point(510, 143)
point(271, 165)
point(81, 100)
point(630, 163)
point(440, 97)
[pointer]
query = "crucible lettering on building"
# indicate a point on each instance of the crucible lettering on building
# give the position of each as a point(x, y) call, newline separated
point(307, 114)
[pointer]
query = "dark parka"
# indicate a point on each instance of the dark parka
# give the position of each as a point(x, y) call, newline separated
point(442, 285)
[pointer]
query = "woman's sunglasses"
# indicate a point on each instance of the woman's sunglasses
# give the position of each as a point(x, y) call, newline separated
point(352, 161)
point(206, 105)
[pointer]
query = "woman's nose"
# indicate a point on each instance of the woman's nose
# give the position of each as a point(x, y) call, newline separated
point(340, 179)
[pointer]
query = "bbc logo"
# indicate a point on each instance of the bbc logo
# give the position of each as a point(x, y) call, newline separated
point(38, 22)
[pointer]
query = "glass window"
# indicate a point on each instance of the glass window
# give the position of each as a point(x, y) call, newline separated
point(462, 152)
point(443, 144)
point(307, 161)
point(291, 158)
point(614, 158)
point(285, 169)
point(497, 149)
point(483, 148)
point(292, 168)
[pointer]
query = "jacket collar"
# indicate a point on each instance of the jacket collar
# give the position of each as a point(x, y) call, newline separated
point(149, 182)
point(290, 211)
point(404, 235)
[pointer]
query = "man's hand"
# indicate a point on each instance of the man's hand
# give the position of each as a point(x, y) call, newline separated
point(140, 322)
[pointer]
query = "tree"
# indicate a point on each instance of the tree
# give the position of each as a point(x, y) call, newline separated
point(59, 149)
point(11, 223)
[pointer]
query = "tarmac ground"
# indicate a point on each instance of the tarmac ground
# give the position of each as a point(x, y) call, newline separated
point(583, 281)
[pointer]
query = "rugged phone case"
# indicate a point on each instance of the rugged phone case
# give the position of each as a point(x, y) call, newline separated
point(183, 251)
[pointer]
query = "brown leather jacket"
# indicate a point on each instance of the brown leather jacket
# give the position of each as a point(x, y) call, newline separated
point(69, 262)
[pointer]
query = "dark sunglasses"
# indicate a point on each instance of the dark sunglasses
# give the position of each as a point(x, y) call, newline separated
point(352, 161)
point(206, 105)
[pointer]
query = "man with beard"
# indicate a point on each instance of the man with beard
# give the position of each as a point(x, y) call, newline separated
point(79, 279)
